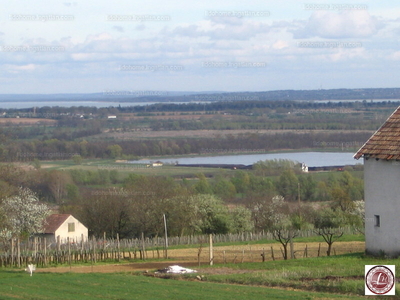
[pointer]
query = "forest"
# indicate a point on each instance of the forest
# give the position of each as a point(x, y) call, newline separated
point(264, 125)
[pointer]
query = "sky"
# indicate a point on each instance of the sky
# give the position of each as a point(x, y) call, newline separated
point(51, 46)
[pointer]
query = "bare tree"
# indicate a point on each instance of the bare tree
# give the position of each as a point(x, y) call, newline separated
point(328, 224)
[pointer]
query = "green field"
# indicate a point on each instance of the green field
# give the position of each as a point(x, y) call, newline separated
point(342, 274)
point(19, 285)
point(125, 169)
point(335, 277)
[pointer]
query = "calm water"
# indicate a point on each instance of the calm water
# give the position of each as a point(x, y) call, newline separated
point(311, 159)
point(30, 104)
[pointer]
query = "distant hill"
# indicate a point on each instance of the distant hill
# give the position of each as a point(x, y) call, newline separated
point(106, 95)
point(210, 96)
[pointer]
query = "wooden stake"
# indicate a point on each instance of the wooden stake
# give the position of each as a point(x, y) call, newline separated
point(19, 252)
point(45, 251)
point(69, 252)
point(166, 236)
point(211, 251)
point(143, 247)
point(118, 247)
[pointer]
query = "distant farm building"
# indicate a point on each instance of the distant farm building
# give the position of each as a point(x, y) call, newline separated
point(381, 154)
point(111, 117)
point(157, 164)
point(60, 227)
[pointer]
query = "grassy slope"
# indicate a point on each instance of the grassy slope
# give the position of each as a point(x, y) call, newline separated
point(335, 274)
point(18, 285)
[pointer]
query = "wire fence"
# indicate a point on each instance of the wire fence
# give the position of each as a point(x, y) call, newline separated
point(47, 251)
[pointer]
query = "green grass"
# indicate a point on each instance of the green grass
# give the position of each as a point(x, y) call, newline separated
point(19, 285)
point(336, 274)
point(125, 169)
point(310, 239)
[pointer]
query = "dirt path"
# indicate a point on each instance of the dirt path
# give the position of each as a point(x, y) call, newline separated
point(131, 267)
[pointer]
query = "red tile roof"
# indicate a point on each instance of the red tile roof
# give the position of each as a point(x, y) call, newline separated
point(53, 222)
point(385, 142)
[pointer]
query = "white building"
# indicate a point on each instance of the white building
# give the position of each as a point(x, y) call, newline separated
point(381, 154)
point(157, 164)
point(63, 226)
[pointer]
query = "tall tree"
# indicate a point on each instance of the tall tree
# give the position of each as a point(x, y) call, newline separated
point(23, 214)
point(288, 185)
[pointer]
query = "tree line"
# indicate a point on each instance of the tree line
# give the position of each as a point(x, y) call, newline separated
point(55, 149)
point(280, 200)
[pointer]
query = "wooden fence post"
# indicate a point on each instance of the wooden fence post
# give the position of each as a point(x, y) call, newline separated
point(211, 251)
point(94, 249)
point(118, 247)
point(45, 251)
point(69, 251)
point(263, 255)
point(12, 252)
point(19, 252)
point(143, 247)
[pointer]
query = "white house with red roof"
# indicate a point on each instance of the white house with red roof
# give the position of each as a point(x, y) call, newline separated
point(381, 154)
point(64, 226)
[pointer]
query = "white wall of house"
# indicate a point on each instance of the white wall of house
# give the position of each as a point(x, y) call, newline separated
point(382, 200)
point(73, 232)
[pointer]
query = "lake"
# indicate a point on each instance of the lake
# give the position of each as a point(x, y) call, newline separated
point(98, 104)
point(311, 159)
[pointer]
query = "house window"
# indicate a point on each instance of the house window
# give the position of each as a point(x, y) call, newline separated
point(71, 227)
point(377, 221)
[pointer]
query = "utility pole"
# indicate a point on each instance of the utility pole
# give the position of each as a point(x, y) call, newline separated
point(298, 191)
point(166, 236)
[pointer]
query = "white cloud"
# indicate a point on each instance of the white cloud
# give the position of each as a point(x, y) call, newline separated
point(118, 28)
point(280, 45)
point(395, 56)
point(345, 24)
point(223, 28)
point(17, 69)
point(95, 49)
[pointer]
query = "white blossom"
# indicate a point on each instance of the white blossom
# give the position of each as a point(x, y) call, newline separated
point(23, 214)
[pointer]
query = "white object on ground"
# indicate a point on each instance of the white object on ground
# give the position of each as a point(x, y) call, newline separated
point(177, 270)
point(30, 269)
